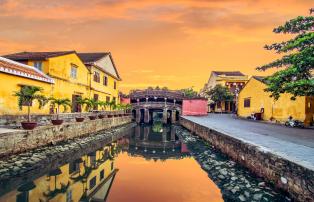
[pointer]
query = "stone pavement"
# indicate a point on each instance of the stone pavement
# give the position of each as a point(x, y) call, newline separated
point(294, 144)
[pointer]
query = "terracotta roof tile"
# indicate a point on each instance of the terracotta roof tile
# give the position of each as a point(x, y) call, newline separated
point(18, 69)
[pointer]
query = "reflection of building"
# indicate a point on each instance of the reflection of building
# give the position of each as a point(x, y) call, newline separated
point(234, 80)
point(155, 145)
point(88, 178)
point(253, 99)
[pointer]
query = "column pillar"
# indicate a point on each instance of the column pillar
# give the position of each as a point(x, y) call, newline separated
point(173, 134)
point(173, 116)
point(137, 132)
point(138, 116)
point(165, 116)
point(164, 135)
point(146, 133)
point(146, 116)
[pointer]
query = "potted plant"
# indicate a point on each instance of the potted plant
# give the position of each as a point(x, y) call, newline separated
point(81, 102)
point(90, 105)
point(103, 105)
point(112, 105)
point(59, 102)
point(26, 96)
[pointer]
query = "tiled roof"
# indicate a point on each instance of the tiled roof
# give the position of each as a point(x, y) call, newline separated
point(260, 78)
point(11, 67)
point(229, 73)
point(36, 55)
point(92, 57)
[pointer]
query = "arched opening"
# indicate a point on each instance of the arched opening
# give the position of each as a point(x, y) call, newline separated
point(177, 115)
point(134, 114)
point(169, 116)
point(142, 115)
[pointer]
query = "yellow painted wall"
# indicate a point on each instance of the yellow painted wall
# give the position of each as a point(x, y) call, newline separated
point(9, 103)
point(102, 90)
point(59, 68)
point(45, 183)
point(280, 110)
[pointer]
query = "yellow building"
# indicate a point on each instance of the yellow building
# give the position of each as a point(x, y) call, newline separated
point(88, 178)
point(72, 78)
point(253, 99)
point(13, 76)
point(234, 80)
point(104, 76)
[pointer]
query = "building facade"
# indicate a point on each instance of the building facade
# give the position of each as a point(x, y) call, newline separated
point(13, 76)
point(105, 79)
point(253, 99)
point(233, 80)
point(73, 75)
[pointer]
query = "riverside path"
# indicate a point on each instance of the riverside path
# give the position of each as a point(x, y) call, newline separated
point(294, 144)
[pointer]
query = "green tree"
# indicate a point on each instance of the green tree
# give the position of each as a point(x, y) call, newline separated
point(189, 92)
point(60, 102)
point(27, 95)
point(91, 104)
point(295, 77)
point(219, 93)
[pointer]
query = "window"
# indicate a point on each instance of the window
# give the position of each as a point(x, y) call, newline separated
point(73, 71)
point(92, 183)
point(69, 196)
point(38, 65)
point(114, 99)
point(107, 98)
point(105, 81)
point(74, 167)
point(96, 77)
point(247, 102)
point(115, 85)
point(22, 197)
point(102, 174)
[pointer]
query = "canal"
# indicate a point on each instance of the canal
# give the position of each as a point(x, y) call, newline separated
point(141, 163)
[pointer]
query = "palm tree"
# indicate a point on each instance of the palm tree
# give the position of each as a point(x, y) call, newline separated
point(60, 102)
point(27, 95)
point(112, 105)
point(91, 104)
point(80, 101)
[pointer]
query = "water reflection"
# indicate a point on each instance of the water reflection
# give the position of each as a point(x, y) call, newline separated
point(150, 163)
point(88, 178)
point(151, 143)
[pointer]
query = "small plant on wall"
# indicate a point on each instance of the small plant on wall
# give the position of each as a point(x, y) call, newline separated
point(81, 102)
point(91, 104)
point(58, 103)
point(26, 96)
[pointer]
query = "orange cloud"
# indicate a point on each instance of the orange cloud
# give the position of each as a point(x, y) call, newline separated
point(167, 43)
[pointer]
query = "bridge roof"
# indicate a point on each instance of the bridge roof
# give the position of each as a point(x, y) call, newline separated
point(157, 93)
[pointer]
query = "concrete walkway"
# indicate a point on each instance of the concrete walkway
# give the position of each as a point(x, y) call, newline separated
point(294, 144)
point(8, 130)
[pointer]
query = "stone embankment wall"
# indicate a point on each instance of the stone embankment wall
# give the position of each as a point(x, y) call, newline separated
point(22, 140)
point(288, 176)
point(13, 121)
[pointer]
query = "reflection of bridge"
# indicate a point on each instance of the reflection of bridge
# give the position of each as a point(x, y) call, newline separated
point(155, 145)
point(146, 102)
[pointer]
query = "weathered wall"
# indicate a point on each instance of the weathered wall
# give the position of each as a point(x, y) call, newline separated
point(286, 175)
point(194, 107)
point(14, 121)
point(22, 140)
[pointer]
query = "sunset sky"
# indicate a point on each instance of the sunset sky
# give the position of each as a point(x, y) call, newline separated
point(154, 42)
